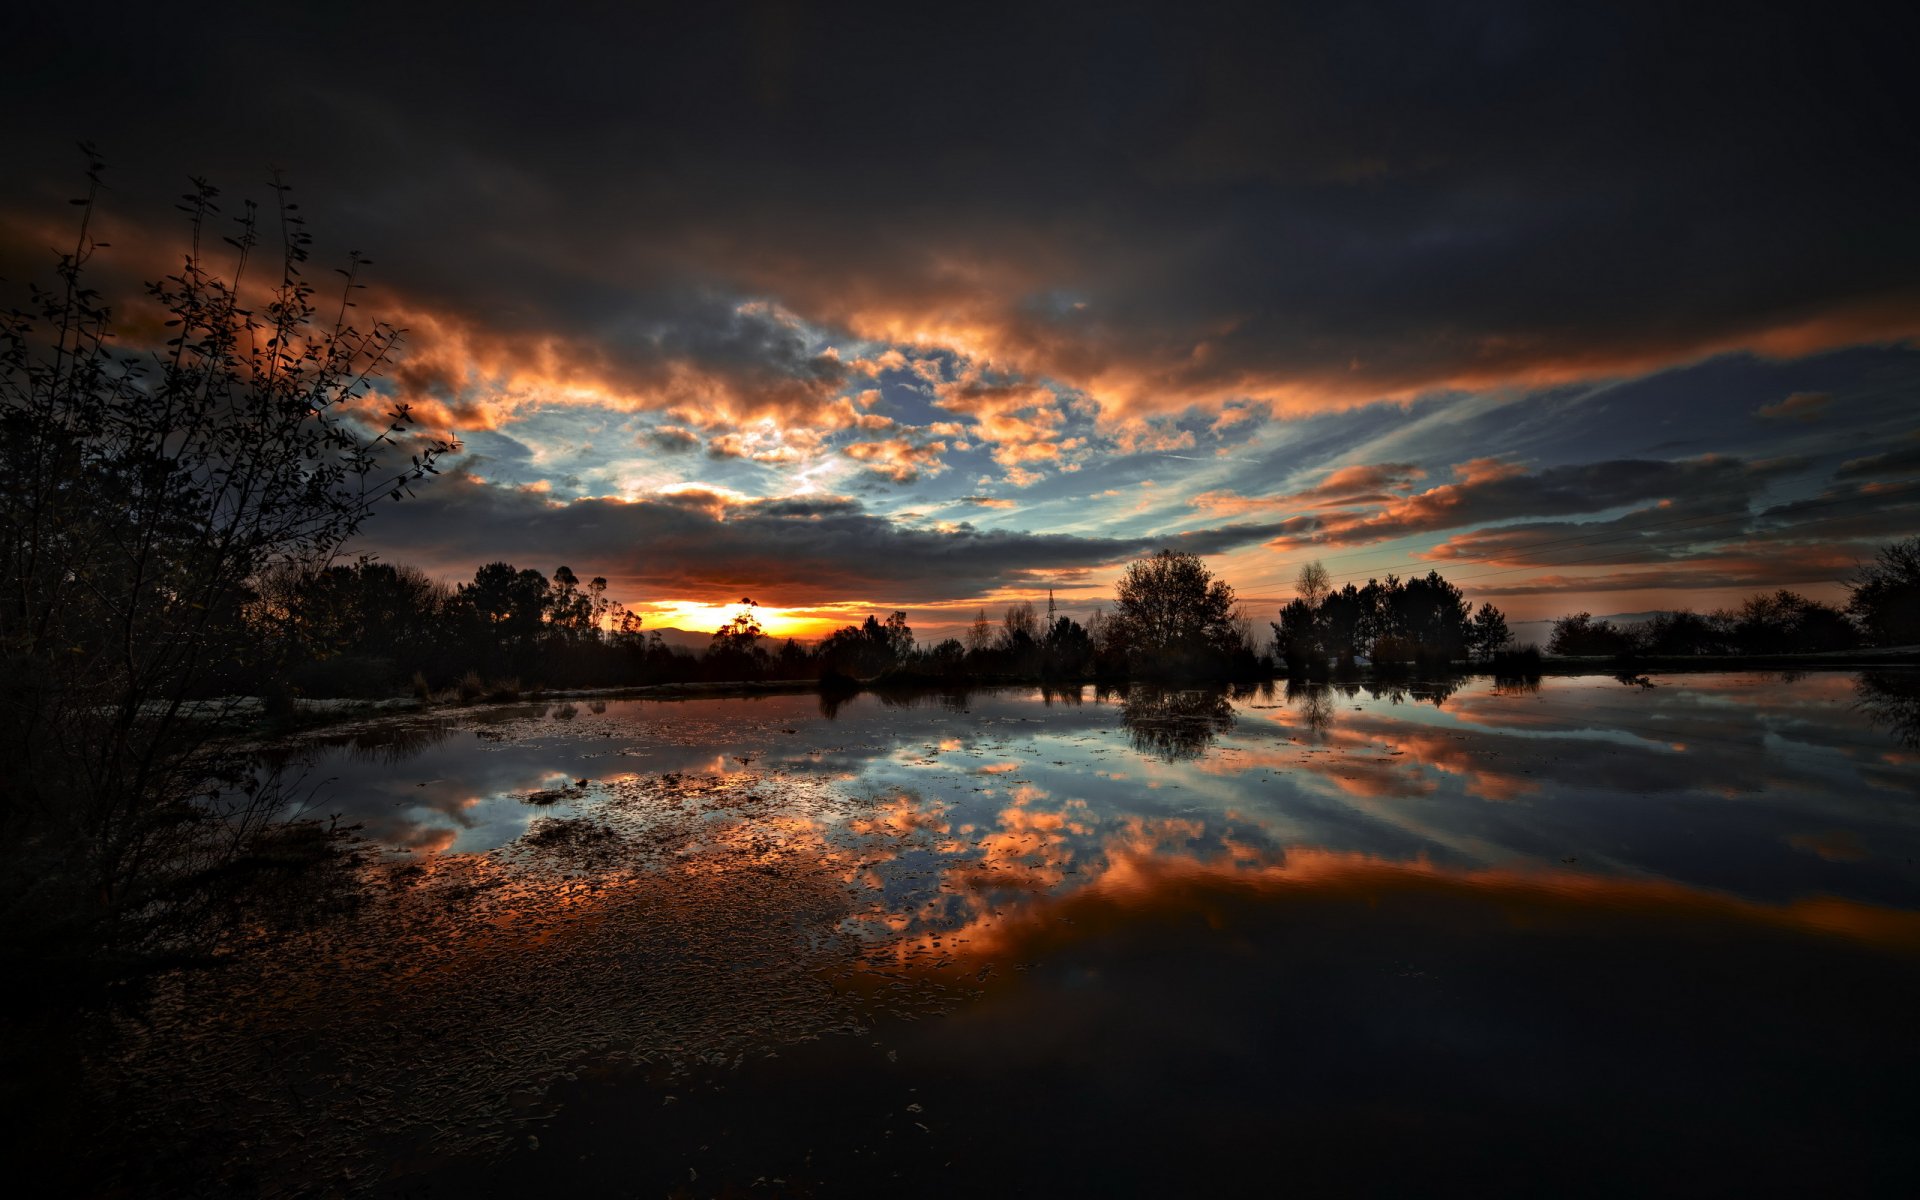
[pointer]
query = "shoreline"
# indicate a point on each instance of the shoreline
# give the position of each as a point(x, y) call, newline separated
point(313, 714)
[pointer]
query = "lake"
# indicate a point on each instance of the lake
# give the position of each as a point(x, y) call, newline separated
point(1588, 937)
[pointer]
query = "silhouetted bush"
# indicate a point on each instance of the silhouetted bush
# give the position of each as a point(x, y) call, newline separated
point(1579, 635)
point(153, 473)
point(1682, 633)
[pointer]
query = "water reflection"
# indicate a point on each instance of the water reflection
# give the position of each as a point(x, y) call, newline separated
point(392, 744)
point(955, 699)
point(1314, 703)
point(1347, 917)
point(1891, 700)
point(1174, 725)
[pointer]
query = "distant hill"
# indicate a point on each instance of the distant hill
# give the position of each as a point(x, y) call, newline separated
point(682, 639)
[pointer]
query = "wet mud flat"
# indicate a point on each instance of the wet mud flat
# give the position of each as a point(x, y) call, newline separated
point(1588, 939)
point(688, 924)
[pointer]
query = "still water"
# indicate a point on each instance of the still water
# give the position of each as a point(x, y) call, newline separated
point(1592, 937)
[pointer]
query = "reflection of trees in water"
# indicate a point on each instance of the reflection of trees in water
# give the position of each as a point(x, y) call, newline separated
point(1891, 700)
point(388, 745)
point(1317, 702)
point(1434, 691)
point(1175, 724)
point(1071, 694)
point(952, 699)
point(1314, 703)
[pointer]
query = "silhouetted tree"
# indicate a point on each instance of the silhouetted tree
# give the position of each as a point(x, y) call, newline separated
point(793, 659)
point(1344, 622)
point(1487, 631)
point(735, 652)
point(346, 630)
point(1175, 616)
point(899, 636)
point(1019, 629)
point(1067, 649)
point(947, 659)
point(868, 650)
point(740, 634)
point(980, 634)
point(151, 473)
point(1296, 637)
point(1423, 621)
point(1785, 622)
point(1427, 617)
point(570, 609)
point(510, 604)
point(1313, 583)
point(1885, 597)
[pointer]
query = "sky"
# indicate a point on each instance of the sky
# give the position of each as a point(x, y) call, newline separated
point(1601, 307)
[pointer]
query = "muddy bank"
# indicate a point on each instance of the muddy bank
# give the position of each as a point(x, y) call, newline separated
point(689, 923)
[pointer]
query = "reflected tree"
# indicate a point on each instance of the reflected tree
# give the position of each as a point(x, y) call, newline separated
point(1314, 702)
point(1175, 725)
point(1891, 700)
point(1433, 691)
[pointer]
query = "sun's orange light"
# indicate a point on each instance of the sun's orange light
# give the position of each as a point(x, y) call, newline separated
point(705, 618)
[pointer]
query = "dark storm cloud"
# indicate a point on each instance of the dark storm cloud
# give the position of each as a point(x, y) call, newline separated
point(789, 552)
point(1713, 572)
point(1801, 406)
point(1839, 520)
point(671, 438)
point(1161, 205)
point(1904, 460)
point(1488, 490)
point(1878, 510)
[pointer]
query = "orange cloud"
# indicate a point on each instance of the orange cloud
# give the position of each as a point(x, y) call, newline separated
point(898, 459)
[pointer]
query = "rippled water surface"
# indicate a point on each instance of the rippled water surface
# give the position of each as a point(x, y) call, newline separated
point(1590, 938)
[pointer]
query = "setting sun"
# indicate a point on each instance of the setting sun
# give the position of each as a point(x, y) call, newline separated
point(705, 618)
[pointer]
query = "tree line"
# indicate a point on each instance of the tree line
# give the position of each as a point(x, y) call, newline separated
point(1423, 623)
point(369, 628)
point(1882, 610)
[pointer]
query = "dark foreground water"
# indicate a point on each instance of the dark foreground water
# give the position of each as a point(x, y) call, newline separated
point(1591, 939)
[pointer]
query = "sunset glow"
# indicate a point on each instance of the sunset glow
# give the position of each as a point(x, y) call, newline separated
point(967, 600)
point(1497, 342)
point(692, 615)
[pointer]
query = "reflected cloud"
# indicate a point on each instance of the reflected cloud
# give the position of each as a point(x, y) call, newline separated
point(1148, 874)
